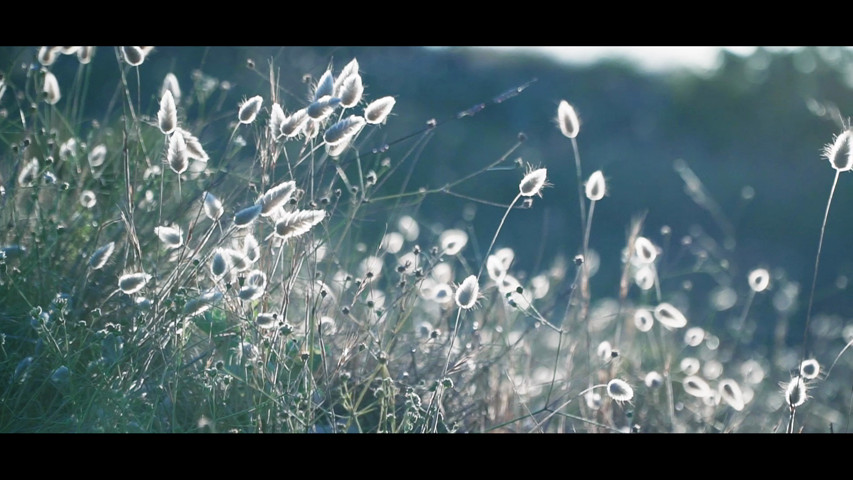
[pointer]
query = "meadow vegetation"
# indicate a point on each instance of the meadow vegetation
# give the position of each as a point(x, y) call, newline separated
point(190, 261)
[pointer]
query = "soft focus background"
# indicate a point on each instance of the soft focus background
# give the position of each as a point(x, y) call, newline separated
point(749, 122)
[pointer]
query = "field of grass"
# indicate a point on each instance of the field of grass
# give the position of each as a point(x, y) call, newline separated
point(189, 260)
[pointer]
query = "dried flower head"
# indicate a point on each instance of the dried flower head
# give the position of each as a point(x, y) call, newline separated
point(840, 152)
point(759, 280)
point(595, 186)
point(467, 293)
point(378, 110)
point(568, 120)
point(619, 390)
point(533, 182)
point(249, 109)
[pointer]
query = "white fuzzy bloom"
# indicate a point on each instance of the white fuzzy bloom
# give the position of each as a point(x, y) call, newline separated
point(533, 182)
point(172, 237)
point(277, 119)
point(595, 186)
point(133, 282)
point(212, 206)
point(296, 223)
point(378, 110)
point(619, 390)
point(167, 116)
point(249, 109)
point(567, 118)
point(101, 256)
point(177, 155)
point(467, 293)
point(276, 197)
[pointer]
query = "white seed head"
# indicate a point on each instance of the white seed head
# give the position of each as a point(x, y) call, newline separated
point(249, 109)
point(256, 278)
point(172, 237)
point(88, 199)
point(378, 110)
point(809, 369)
point(408, 226)
point(266, 321)
point(595, 186)
point(51, 89)
point(277, 119)
point(194, 148)
point(133, 55)
point(669, 316)
point(101, 256)
point(568, 120)
point(219, 263)
point(759, 280)
point(251, 248)
point(202, 303)
point(467, 293)
point(619, 390)
point(177, 155)
point(167, 116)
point(325, 86)
point(276, 197)
point(349, 69)
point(321, 108)
point(296, 223)
point(696, 386)
point(643, 319)
point(85, 54)
point(796, 392)
point(645, 250)
point(97, 155)
point(29, 172)
point(294, 124)
point(452, 241)
point(212, 206)
point(351, 91)
point(48, 55)
point(840, 152)
point(133, 282)
point(344, 130)
point(392, 242)
point(693, 336)
point(731, 393)
point(247, 216)
point(170, 84)
point(533, 182)
point(653, 379)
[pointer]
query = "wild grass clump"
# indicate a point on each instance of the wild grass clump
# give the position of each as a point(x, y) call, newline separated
point(203, 260)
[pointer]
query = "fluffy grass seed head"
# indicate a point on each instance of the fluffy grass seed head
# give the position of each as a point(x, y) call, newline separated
point(568, 120)
point(202, 303)
point(219, 263)
point(351, 91)
point(194, 148)
point(266, 321)
point(378, 110)
point(172, 237)
point(809, 369)
point(643, 319)
point(731, 393)
point(467, 293)
point(349, 69)
point(247, 216)
point(644, 250)
point(170, 83)
point(88, 199)
point(249, 109)
point(85, 54)
point(452, 241)
point(131, 283)
point(101, 256)
point(595, 186)
point(177, 154)
point(653, 380)
point(133, 55)
point(323, 107)
point(796, 392)
point(619, 390)
point(696, 386)
point(840, 152)
point(212, 206)
point(277, 119)
point(47, 55)
point(276, 197)
point(344, 130)
point(759, 279)
point(325, 86)
point(167, 116)
point(52, 95)
point(251, 248)
point(97, 155)
point(669, 316)
point(533, 183)
point(296, 223)
point(294, 124)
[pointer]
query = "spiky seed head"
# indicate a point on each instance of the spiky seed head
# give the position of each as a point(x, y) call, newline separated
point(344, 130)
point(840, 152)
point(568, 120)
point(467, 293)
point(378, 110)
point(247, 216)
point(276, 197)
point(167, 117)
point(296, 223)
point(133, 55)
point(809, 369)
point(177, 154)
point(249, 109)
point(796, 392)
point(533, 182)
point(133, 282)
point(351, 91)
point(452, 241)
point(52, 94)
point(101, 256)
point(97, 155)
point(595, 186)
point(325, 85)
point(212, 206)
point(172, 237)
point(669, 316)
point(696, 386)
point(85, 54)
point(619, 390)
point(277, 119)
point(731, 393)
point(759, 279)
point(645, 250)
